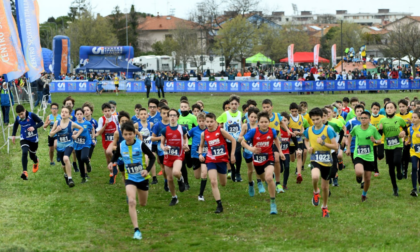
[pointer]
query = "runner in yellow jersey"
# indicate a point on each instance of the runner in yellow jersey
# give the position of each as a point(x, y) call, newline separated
point(378, 149)
point(116, 83)
point(406, 115)
point(414, 143)
point(296, 125)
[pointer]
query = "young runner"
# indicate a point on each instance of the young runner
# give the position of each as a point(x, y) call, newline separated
point(116, 83)
point(391, 128)
point(136, 118)
point(350, 125)
point(247, 154)
point(188, 121)
point(174, 142)
point(196, 109)
point(296, 125)
point(88, 111)
point(321, 140)
point(346, 102)
point(200, 168)
point(341, 113)
point(366, 135)
point(414, 143)
point(378, 148)
point(226, 105)
point(29, 124)
point(107, 125)
point(353, 102)
point(145, 129)
point(216, 157)
point(83, 143)
point(156, 136)
point(54, 116)
point(406, 115)
point(113, 107)
point(69, 102)
point(231, 122)
point(155, 117)
point(382, 111)
point(64, 130)
point(263, 137)
point(285, 143)
point(133, 151)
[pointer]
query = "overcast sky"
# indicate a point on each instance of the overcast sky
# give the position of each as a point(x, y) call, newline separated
point(56, 8)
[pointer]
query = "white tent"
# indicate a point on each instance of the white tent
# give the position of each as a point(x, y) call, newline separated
point(404, 61)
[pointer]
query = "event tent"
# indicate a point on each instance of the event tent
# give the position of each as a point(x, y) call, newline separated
point(259, 57)
point(83, 68)
point(305, 57)
point(104, 66)
point(125, 65)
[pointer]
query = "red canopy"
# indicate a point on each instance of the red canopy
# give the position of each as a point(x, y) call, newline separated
point(305, 57)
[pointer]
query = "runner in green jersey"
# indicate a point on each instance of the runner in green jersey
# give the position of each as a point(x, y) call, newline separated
point(366, 135)
point(390, 126)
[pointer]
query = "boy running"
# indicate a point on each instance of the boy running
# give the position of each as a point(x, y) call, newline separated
point(156, 136)
point(83, 143)
point(54, 116)
point(378, 148)
point(406, 115)
point(414, 143)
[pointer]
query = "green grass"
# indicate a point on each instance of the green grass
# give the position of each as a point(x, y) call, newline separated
point(44, 214)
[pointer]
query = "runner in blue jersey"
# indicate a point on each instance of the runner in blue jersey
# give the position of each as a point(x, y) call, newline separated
point(64, 130)
point(200, 168)
point(69, 102)
point(136, 117)
point(83, 143)
point(145, 129)
point(349, 127)
point(88, 111)
point(29, 123)
point(54, 116)
point(133, 152)
point(156, 136)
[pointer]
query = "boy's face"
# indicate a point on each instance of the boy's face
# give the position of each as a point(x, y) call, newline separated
point(211, 123)
point(417, 106)
point(365, 119)
point(375, 110)
point(317, 120)
point(173, 117)
point(22, 115)
point(69, 103)
point(227, 107)
point(358, 112)
point(128, 136)
point(354, 104)
point(234, 106)
point(107, 112)
point(124, 120)
point(415, 118)
point(137, 110)
point(164, 114)
point(201, 122)
point(54, 110)
point(390, 109)
point(196, 111)
point(294, 112)
point(152, 108)
point(304, 109)
point(345, 104)
point(79, 115)
point(330, 114)
point(263, 123)
point(267, 108)
point(184, 107)
point(65, 113)
point(285, 121)
point(143, 115)
point(253, 118)
point(339, 106)
point(324, 118)
point(403, 108)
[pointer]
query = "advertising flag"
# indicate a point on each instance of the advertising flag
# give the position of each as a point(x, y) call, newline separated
point(316, 54)
point(64, 55)
point(290, 55)
point(333, 56)
point(27, 13)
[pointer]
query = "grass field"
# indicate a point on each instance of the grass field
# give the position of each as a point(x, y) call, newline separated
point(44, 214)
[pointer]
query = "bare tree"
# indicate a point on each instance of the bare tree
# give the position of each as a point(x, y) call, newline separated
point(243, 6)
point(186, 36)
point(404, 40)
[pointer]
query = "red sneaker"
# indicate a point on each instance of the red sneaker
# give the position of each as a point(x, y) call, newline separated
point(325, 213)
point(299, 179)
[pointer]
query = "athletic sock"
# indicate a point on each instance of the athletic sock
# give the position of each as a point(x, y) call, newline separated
point(136, 229)
point(364, 193)
point(272, 200)
point(69, 177)
point(174, 197)
point(251, 183)
point(203, 186)
point(258, 180)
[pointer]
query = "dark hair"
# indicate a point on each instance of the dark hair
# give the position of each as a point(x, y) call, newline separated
point(285, 114)
point(354, 99)
point(315, 112)
point(143, 109)
point(403, 101)
point(211, 115)
point(138, 106)
point(106, 105)
point(267, 101)
point(339, 102)
point(78, 109)
point(177, 113)
point(66, 107)
point(128, 126)
point(324, 111)
point(122, 114)
point(185, 101)
point(225, 103)
point(386, 100)
point(154, 101)
point(89, 105)
point(161, 104)
point(365, 113)
point(164, 108)
point(234, 97)
point(417, 102)
point(263, 114)
point(251, 102)
point(359, 106)
point(163, 100)
point(417, 112)
point(245, 106)
point(254, 110)
point(293, 105)
point(68, 98)
point(196, 106)
point(55, 104)
point(375, 104)
point(19, 109)
point(183, 98)
point(303, 104)
point(395, 105)
point(113, 102)
point(363, 103)
point(346, 99)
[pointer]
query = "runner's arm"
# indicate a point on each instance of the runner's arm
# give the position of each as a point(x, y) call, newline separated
point(46, 123)
point(53, 130)
point(39, 122)
point(243, 130)
point(77, 126)
point(15, 127)
point(201, 146)
point(148, 153)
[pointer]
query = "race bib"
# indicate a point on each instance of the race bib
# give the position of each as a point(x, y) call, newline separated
point(30, 134)
point(148, 141)
point(81, 140)
point(322, 157)
point(109, 137)
point(63, 138)
point(392, 141)
point(260, 158)
point(233, 128)
point(417, 148)
point(218, 150)
point(174, 151)
point(363, 150)
point(134, 168)
point(285, 145)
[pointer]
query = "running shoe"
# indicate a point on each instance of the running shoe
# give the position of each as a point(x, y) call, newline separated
point(315, 199)
point(24, 175)
point(273, 208)
point(83, 180)
point(414, 193)
point(251, 190)
point(58, 160)
point(35, 167)
point(113, 175)
point(376, 174)
point(299, 179)
point(165, 186)
point(52, 163)
point(160, 173)
point(364, 198)
point(229, 175)
point(87, 178)
point(325, 213)
point(137, 235)
point(396, 192)
point(71, 183)
point(200, 198)
point(89, 167)
point(279, 189)
point(261, 188)
point(174, 201)
point(181, 185)
point(285, 187)
point(219, 208)
point(238, 178)
point(154, 182)
point(335, 181)
point(187, 186)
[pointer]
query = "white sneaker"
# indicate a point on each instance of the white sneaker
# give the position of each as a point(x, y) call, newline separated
point(200, 198)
